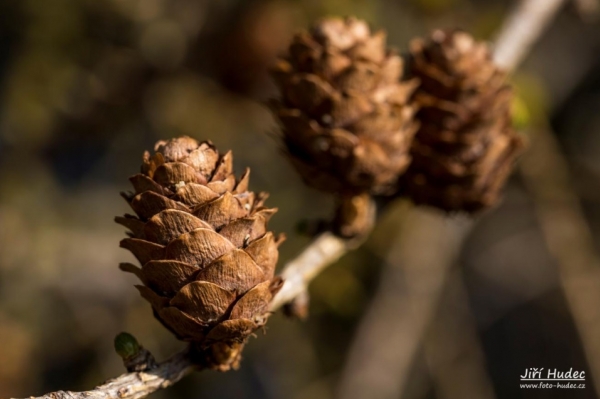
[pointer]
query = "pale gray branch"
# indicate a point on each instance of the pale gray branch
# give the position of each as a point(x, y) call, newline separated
point(569, 238)
point(323, 251)
point(522, 28)
point(410, 287)
point(385, 346)
point(134, 385)
point(452, 348)
point(546, 173)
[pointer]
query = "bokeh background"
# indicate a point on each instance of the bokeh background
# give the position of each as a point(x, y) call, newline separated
point(87, 85)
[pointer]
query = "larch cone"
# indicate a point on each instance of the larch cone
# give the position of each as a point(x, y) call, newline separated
point(207, 258)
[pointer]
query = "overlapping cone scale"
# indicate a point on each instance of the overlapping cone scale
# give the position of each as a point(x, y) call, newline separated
point(465, 147)
point(347, 124)
point(201, 237)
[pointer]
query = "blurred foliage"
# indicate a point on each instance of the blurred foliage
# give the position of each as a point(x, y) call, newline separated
point(87, 85)
point(521, 116)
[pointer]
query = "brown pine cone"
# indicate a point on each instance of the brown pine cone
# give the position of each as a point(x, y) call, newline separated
point(465, 146)
point(347, 126)
point(201, 238)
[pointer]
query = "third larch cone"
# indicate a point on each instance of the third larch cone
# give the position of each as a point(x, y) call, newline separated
point(466, 145)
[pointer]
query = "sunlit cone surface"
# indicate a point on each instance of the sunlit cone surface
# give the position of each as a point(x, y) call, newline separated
point(346, 122)
point(465, 147)
point(201, 237)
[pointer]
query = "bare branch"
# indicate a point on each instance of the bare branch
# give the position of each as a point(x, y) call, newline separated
point(410, 287)
point(453, 350)
point(135, 385)
point(546, 173)
point(518, 35)
point(522, 28)
point(568, 237)
point(385, 346)
point(358, 215)
point(323, 251)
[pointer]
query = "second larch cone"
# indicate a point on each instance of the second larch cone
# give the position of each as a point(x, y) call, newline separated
point(201, 237)
point(347, 123)
point(465, 146)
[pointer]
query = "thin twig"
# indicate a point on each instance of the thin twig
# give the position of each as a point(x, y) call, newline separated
point(385, 348)
point(546, 173)
point(452, 347)
point(359, 214)
point(568, 237)
point(514, 42)
point(411, 283)
point(323, 251)
point(522, 28)
point(135, 385)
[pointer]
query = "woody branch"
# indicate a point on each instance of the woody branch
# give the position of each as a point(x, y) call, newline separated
point(323, 251)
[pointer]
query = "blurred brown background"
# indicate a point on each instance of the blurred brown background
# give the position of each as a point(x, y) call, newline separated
point(87, 85)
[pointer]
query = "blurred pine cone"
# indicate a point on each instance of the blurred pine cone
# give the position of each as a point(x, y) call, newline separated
point(465, 146)
point(207, 259)
point(347, 125)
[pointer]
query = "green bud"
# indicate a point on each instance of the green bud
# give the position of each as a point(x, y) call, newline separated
point(126, 345)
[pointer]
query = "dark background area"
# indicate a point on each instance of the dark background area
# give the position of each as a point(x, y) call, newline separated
point(87, 85)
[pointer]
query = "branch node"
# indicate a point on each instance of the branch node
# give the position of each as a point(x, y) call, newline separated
point(135, 357)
